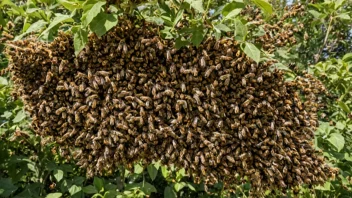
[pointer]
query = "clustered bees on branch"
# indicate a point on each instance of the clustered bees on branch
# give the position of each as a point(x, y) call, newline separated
point(131, 96)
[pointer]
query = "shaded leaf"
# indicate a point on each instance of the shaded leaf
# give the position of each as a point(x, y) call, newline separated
point(102, 23)
point(344, 106)
point(98, 184)
point(222, 27)
point(347, 57)
point(70, 5)
point(147, 188)
point(180, 43)
point(343, 16)
point(231, 6)
point(169, 193)
point(6, 187)
point(89, 189)
point(75, 191)
point(59, 18)
point(79, 40)
point(152, 171)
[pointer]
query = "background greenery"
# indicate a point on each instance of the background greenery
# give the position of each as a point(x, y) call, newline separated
point(31, 167)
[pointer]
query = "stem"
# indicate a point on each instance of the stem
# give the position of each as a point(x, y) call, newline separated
point(207, 9)
point(326, 37)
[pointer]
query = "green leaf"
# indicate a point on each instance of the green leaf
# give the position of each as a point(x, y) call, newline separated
point(147, 188)
point(177, 18)
point(3, 81)
point(6, 187)
point(138, 169)
point(337, 140)
point(179, 186)
point(347, 57)
point(344, 106)
point(75, 190)
point(164, 171)
point(343, 16)
point(58, 174)
point(260, 32)
point(169, 193)
point(102, 23)
point(222, 27)
point(153, 171)
point(233, 13)
point(340, 125)
point(198, 34)
point(240, 30)
point(79, 40)
point(98, 184)
point(88, 17)
point(180, 43)
point(110, 194)
point(315, 14)
point(265, 6)
point(54, 195)
point(180, 174)
point(6, 114)
point(19, 116)
point(252, 51)
point(196, 4)
point(231, 6)
point(326, 187)
point(70, 5)
point(339, 3)
point(190, 186)
point(35, 27)
point(89, 189)
point(59, 18)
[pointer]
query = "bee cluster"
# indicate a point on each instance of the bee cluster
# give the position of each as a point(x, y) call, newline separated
point(131, 96)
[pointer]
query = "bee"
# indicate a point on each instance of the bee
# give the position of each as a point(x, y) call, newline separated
point(231, 159)
point(60, 110)
point(48, 77)
point(202, 62)
point(168, 55)
point(226, 58)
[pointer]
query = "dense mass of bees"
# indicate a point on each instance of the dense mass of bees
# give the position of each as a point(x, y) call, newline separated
point(131, 96)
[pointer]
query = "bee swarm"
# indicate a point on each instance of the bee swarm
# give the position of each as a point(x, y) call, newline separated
point(131, 96)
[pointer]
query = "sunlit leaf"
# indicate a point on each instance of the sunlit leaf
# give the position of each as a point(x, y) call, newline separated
point(240, 32)
point(265, 6)
point(231, 6)
point(88, 17)
point(58, 174)
point(59, 18)
point(70, 5)
point(337, 140)
point(233, 13)
point(179, 186)
point(54, 195)
point(196, 4)
point(19, 116)
point(252, 51)
point(222, 27)
point(344, 106)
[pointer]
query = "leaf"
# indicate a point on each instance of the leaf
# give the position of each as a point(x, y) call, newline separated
point(180, 174)
point(347, 57)
point(79, 40)
point(89, 189)
point(326, 187)
point(19, 116)
point(252, 51)
point(339, 3)
point(6, 187)
point(153, 171)
point(265, 6)
point(344, 106)
point(240, 30)
point(3, 81)
point(343, 16)
point(337, 140)
point(164, 171)
point(35, 27)
point(75, 190)
point(340, 125)
point(70, 5)
point(179, 186)
point(169, 193)
point(147, 188)
point(231, 6)
point(177, 18)
point(190, 186)
point(233, 13)
point(110, 194)
point(54, 195)
point(138, 169)
point(6, 114)
point(58, 174)
point(180, 43)
point(88, 17)
point(102, 23)
point(98, 184)
point(197, 35)
point(196, 4)
point(315, 14)
point(222, 27)
point(260, 32)
point(59, 18)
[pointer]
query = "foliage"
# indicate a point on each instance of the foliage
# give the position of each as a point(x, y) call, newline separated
point(31, 168)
